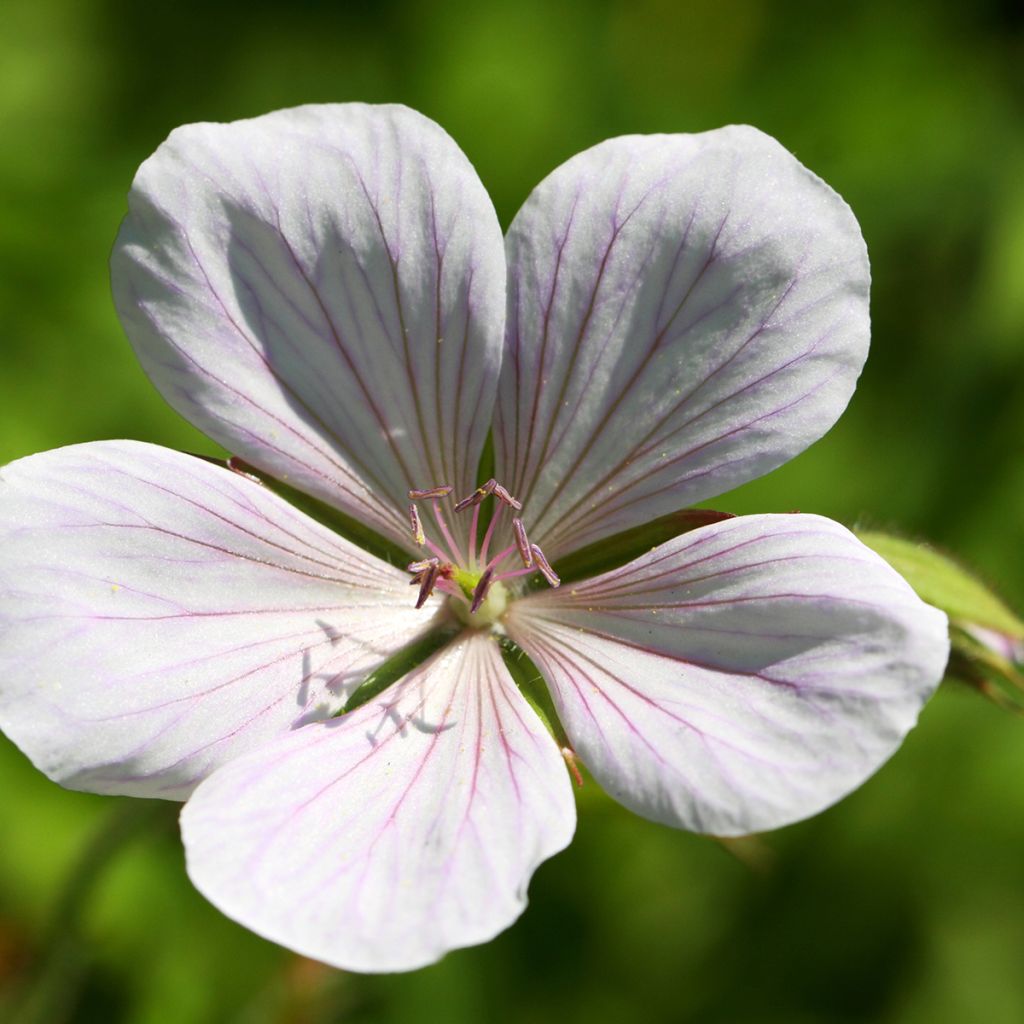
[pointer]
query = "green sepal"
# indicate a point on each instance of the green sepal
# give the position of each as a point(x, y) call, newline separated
point(974, 663)
point(326, 515)
point(528, 678)
point(620, 548)
point(400, 664)
point(942, 582)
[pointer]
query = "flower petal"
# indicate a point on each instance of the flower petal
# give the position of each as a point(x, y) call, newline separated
point(741, 677)
point(322, 291)
point(161, 615)
point(686, 313)
point(383, 839)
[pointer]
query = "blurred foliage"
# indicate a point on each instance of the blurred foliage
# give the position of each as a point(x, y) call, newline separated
point(905, 903)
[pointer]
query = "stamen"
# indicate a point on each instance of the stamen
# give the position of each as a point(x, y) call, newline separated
point(545, 566)
point(427, 585)
point(431, 492)
point(418, 567)
point(522, 542)
point(454, 548)
point(502, 495)
point(485, 547)
point(417, 526)
point(477, 496)
point(572, 763)
point(448, 572)
point(473, 525)
point(500, 557)
point(515, 574)
point(481, 590)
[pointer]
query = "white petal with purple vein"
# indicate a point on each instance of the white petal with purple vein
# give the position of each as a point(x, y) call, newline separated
point(321, 290)
point(740, 677)
point(161, 615)
point(686, 312)
point(406, 828)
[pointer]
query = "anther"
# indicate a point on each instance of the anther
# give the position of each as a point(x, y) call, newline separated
point(481, 590)
point(483, 491)
point(545, 566)
point(522, 542)
point(502, 495)
point(431, 492)
point(417, 526)
point(418, 567)
point(427, 585)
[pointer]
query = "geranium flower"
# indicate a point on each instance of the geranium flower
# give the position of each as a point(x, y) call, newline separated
point(323, 292)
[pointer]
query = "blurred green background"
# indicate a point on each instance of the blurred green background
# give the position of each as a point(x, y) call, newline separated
point(904, 903)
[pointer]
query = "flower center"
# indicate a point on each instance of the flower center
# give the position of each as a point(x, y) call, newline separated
point(472, 578)
point(488, 612)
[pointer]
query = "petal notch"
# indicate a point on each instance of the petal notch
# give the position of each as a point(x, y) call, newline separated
point(322, 291)
point(686, 313)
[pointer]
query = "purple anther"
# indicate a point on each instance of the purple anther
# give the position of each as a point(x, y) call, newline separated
point(502, 495)
point(431, 492)
point(522, 542)
point(545, 566)
point(427, 585)
point(421, 566)
point(481, 590)
point(417, 526)
point(477, 496)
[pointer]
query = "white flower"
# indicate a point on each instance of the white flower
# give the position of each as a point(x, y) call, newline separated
point(323, 292)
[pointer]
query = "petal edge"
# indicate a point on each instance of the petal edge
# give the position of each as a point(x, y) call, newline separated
point(381, 840)
point(686, 313)
point(161, 615)
point(321, 290)
point(742, 677)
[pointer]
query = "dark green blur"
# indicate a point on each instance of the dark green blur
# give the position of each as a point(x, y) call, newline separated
point(905, 903)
